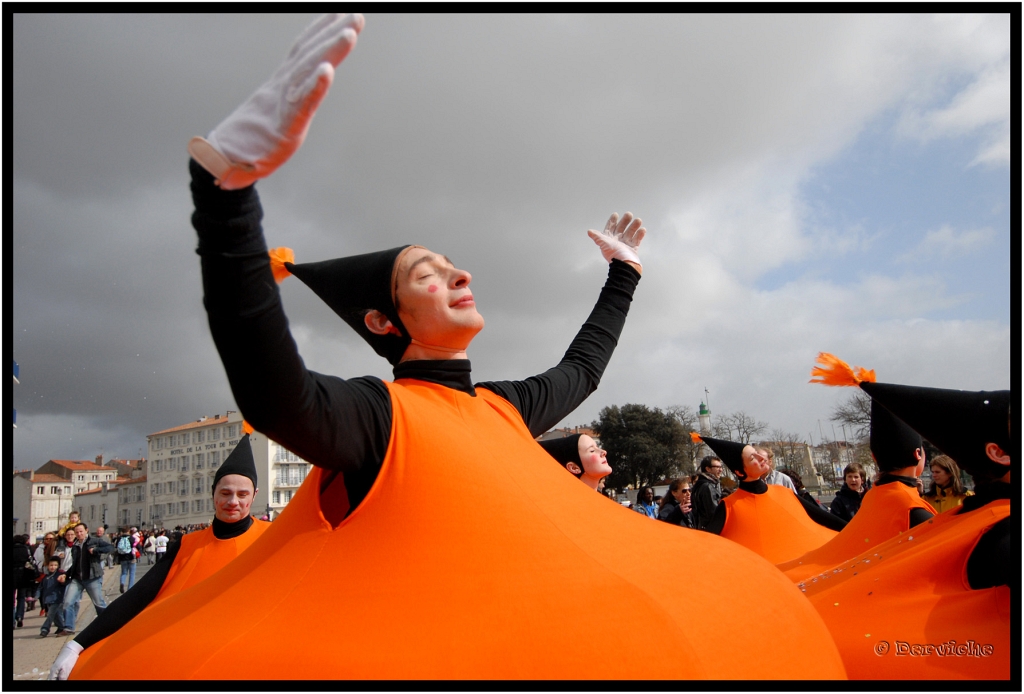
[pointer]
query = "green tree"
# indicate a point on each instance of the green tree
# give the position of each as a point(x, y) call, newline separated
point(643, 444)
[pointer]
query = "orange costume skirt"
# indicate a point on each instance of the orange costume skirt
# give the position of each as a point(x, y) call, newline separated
point(884, 513)
point(904, 609)
point(200, 556)
point(773, 524)
point(474, 556)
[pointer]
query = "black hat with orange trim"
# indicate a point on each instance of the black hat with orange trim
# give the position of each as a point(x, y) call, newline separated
point(961, 423)
point(730, 452)
point(353, 286)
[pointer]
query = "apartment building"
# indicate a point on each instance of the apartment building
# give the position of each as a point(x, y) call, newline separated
point(183, 460)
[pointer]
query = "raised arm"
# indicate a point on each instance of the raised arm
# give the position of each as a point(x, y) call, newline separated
point(545, 399)
point(328, 421)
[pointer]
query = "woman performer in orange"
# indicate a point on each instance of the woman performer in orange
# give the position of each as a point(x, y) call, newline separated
point(580, 455)
point(934, 602)
point(766, 518)
point(425, 580)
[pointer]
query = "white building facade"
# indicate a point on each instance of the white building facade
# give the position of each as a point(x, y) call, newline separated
point(183, 461)
point(41, 502)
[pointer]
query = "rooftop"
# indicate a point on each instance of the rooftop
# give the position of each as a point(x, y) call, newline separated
point(203, 422)
point(82, 465)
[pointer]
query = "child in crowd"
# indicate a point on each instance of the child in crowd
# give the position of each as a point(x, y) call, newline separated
point(51, 597)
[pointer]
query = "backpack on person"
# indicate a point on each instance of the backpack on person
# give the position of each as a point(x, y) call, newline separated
point(124, 545)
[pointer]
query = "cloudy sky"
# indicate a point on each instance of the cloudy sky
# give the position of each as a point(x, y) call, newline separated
point(809, 183)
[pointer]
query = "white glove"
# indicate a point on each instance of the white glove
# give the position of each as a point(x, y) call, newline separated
point(265, 131)
point(66, 660)
point(621, 238)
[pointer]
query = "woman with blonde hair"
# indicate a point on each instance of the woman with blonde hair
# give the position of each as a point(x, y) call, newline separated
point(947, 488)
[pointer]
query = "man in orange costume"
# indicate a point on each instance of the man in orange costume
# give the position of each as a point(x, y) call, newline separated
point(892, 506)
point(934, 602)
point(198, 556)
point(446, 542)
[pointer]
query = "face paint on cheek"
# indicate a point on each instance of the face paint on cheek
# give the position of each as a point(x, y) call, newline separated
point(432, 288)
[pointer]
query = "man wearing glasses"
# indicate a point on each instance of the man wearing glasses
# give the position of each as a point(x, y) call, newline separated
point(707, 491)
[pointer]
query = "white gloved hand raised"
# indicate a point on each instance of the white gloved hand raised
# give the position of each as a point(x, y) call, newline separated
point(621, 238)
point(66, 660)
point(270, 126)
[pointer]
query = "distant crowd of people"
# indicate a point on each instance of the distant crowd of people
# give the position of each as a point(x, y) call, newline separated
point(691, 500)
point(60, 566)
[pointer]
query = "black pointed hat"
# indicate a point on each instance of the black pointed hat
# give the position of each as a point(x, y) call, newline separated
point(565, 450)
point(892, 441)
point(730, 452)
point(960, 423)
point(239, 462)
point(352, 286)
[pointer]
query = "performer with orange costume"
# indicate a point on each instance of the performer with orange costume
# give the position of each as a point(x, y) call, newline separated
point(197, 556)
point(766, 518)
point(934, 602)
point(892, 506)
point(424, 589)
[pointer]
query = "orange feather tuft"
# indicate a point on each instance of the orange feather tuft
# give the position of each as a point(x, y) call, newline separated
point(246, 427)
point(695, 437)
point(278, 257)
point(836, 372)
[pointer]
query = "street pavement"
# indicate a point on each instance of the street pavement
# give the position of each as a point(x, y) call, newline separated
point(33, 656)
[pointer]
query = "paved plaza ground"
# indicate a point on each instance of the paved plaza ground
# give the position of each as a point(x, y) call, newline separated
point(33, 656)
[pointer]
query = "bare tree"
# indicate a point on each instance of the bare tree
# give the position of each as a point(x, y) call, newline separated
point(855, 412)
point(742, 428)
point(687, 451)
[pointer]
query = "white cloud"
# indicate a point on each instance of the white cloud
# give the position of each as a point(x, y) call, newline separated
point(945, 242)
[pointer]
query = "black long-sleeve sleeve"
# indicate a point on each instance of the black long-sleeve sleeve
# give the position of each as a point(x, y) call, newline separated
point(331, 422)
point(545, 399)
point(127, 606)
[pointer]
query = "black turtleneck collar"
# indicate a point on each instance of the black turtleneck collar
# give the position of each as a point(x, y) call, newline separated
point(223, 530)
point(986, 494)
point(755, 487)
point(886, 478)
point(451, 373)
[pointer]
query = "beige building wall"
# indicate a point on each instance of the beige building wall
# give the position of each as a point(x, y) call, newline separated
point(183, 461)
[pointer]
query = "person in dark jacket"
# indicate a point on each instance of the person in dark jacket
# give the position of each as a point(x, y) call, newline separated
point(847, 501)
point(707, 490)
point(23, 578)
point(86, 575)
point(676, 507)
point(51, 597)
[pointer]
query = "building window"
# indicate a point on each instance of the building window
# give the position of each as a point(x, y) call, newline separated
point(170, 487)
point(55, 490)
point(183, 488)
point(215, 434)
point(40, 490)
point(67, 489)
point(277, 497)
point(214, 459)
point(184, 507)
point(39, 526)
point(287, 496)
point(200, 460)
point(197, 486)
point(81, 478)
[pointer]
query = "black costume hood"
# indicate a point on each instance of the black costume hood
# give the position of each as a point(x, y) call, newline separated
point(958, 422)
point(565, 450)
point(239, 462)
point(730, 452)
point(352, 286)
point(892, 441)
